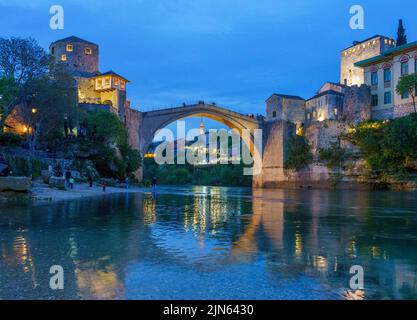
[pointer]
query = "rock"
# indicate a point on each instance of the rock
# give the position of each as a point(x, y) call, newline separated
point(57, 182)
point(18, 184)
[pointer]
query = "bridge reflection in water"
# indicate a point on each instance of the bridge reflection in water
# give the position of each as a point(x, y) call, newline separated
point(209, 242)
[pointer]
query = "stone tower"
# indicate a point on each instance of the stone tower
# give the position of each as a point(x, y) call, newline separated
point(359, 51)
point(80, 56)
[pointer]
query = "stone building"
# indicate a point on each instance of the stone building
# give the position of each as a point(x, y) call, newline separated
point(382, 73)
point(96, 90)
point(327, 104)
point(286, 107)
point(350, 74)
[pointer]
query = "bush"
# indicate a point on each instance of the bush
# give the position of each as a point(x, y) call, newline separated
point(389, 148)
point(298, 153)
point(10, 139)
point(334, 157)
point(21, 167)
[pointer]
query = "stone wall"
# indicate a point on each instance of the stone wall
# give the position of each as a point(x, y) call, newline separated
point(403, 110)
point(383, 114)
point(78, 62)
point(357, 104)
point(275, 137)
point(133, 120)
point(322, 134)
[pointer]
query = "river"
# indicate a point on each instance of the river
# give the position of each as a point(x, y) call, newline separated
point(212, 243)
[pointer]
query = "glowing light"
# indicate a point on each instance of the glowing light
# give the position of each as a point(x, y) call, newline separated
point(34, 110)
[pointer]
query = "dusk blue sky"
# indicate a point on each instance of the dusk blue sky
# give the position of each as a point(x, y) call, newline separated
point(233, 52)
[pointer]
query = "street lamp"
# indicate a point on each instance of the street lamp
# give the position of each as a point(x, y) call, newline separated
point(34, 110)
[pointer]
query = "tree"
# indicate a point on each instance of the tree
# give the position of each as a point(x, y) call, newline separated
point(8, 96)
point(401, 36)
point(54, 100)
point(408, 84)
point(298, 153)
point(22, 59)
point(22, 63)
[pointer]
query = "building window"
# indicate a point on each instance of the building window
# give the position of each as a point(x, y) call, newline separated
point(387, 97)
point(374, 78)
point(64, 57)
point(314, 114)
point(88, 51)
point(122, 84)
point(335, 111)
point(274, 114)
point(374, 100)
point(116, 82)
point(404, 68)
point(387, 75)
point(99, 83)
point(405, 95)
point(69, 47)
point(53, 50)
point(107, 81)
point(309, 116)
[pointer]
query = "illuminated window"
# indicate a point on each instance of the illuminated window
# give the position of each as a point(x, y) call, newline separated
point(69, 47)
point(99, 82)
point(122, 84)
point(88, 51)
point(107, 81)
point(335, 111)
point(116, 82)
point(64, 57)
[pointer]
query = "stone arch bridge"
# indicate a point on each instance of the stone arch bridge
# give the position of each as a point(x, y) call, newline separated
point(274, 133)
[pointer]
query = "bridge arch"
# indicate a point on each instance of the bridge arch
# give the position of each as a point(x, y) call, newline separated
point(152, 121)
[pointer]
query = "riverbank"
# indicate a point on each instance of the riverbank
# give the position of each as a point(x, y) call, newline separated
point(42, 192)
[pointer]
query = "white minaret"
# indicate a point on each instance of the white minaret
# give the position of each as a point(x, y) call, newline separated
point(202, 131)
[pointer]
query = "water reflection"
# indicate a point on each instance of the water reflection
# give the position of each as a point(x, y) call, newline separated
point(213, 243)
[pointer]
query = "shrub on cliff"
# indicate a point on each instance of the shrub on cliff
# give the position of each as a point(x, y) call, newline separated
point(298, 153)
point(334, 157)
point(389, 147)
point(105, 143)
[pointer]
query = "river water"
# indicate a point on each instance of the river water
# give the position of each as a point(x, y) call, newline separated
point(212, 243)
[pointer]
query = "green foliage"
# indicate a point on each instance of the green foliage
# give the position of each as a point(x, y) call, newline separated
point(408, 83)
point(106, 145)
point(389, 148)
point(8, 95)
point(22, 167)
point(335, 156)
point(105, 127)
point(217, 175)
point(298, 153)
point(10, 139)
